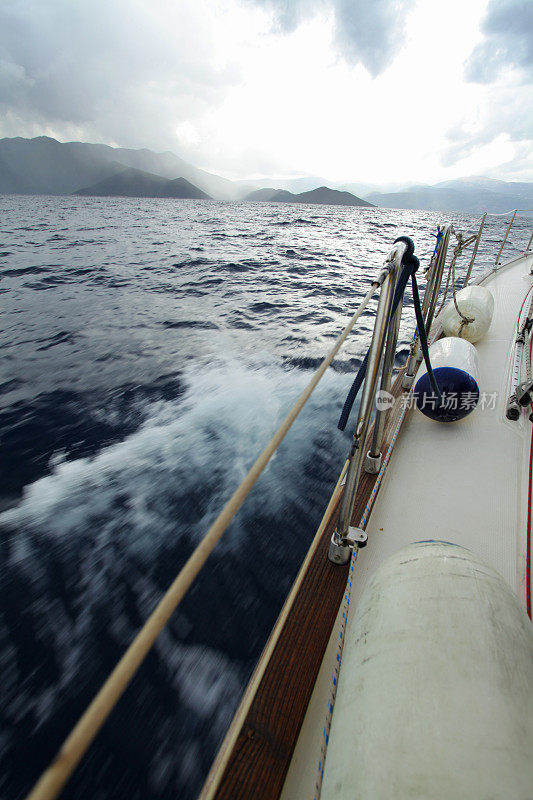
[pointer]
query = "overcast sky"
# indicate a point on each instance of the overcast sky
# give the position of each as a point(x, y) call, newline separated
point(349, 90)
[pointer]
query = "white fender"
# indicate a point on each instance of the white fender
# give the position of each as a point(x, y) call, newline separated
point(435, 696)
point(475, 302)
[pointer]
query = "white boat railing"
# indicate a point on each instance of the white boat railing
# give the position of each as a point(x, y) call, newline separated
point(498, 262)
point(476, 240)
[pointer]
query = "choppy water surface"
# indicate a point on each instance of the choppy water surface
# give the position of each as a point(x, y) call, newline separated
point(148, 350)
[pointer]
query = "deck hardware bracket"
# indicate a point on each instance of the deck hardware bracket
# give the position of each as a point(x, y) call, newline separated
point(373, 463)
point(356, 536)
point(522, 394)
point(340, 550)
point(413, 362)
point(513, 409)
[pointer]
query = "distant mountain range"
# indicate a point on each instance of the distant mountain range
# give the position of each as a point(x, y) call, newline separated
point(46, 166)
point(133, 182)
point(310, 182)
point(471, 195)
point(321, 195)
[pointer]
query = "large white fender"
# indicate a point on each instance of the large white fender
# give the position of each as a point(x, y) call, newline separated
point(475, 303)
point(435, 696)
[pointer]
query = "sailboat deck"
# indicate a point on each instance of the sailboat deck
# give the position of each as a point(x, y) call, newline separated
point(465, 482)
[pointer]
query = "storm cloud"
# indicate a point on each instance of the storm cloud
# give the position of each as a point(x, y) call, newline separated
point(119, 70)
point(274, 87)
point(138, 74)
point(508, 42)
point(367, 33)
point(503, 62)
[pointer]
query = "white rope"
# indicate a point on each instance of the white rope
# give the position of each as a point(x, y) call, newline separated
point(54, 778)
point(527, 344)
point(461, 245)
point(506, 213)
point(457, 251)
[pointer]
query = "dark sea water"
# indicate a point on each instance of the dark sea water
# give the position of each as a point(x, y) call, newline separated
point(148, 351)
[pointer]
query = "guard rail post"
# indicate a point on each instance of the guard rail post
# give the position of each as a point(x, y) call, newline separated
point(374, 455)
point(345, 537)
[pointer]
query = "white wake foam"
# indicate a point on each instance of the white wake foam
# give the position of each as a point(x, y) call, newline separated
point(200, 445)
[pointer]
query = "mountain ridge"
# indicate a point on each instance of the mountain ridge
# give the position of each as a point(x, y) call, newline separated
point(132, 182)
point(43, 165)
point(322, 195)
point(461, 195)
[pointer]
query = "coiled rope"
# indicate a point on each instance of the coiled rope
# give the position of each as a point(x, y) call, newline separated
point(54, 778)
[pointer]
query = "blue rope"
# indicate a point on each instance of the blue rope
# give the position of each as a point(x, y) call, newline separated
point(438, 236)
